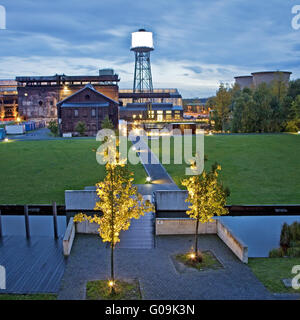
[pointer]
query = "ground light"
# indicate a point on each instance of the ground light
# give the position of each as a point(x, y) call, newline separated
point(111, 283)
point(5, 140)
point(148, 179)
point(192, 256)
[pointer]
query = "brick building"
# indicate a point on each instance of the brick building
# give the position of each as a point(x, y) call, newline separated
point(38, 96)
point(89, 106)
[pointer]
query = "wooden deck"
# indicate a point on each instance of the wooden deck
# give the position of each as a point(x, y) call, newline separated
point(32, 266)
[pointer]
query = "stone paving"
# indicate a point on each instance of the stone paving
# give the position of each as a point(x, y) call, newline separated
point(156, 272)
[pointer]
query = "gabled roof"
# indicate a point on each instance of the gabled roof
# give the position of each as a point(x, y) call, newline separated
point(90, 87)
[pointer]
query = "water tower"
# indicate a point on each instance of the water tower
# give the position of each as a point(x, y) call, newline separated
point(142, 45)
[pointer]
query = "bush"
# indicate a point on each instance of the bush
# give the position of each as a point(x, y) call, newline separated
point(294, 252)
point(53, 127)
point(80, 128)
point(291, 126)
point(276, 253)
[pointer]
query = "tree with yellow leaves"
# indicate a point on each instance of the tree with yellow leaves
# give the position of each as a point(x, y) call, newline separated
point(206, 198)
point(119, 203)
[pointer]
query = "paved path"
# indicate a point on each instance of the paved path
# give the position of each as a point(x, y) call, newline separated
point(156, 273)
point(153, 167)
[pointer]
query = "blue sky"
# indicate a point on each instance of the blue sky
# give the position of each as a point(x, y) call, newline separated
point(198, 44)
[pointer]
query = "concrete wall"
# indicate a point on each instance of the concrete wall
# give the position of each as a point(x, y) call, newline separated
point(69, 238)
point(87, 227)
point(171, 200)
point(80, 199)
point(234, 243)
point(186, 226)
point(244, 81)
point(176, 226)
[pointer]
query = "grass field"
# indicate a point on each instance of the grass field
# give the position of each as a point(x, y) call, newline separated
point(258, 169)
point(270, 271)
point(38, 172)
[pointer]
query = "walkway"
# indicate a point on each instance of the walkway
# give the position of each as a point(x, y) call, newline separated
point(34, 266)
point(156, 273)
point(153, 167)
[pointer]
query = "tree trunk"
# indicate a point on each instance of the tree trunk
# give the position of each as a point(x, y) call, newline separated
point(196, 238)
point(112, 273)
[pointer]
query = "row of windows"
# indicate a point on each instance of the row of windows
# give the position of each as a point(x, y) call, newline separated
point(83, 112)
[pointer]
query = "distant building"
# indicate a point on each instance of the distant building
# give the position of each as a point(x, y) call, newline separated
point(156, 112)
point(257, 78)
point(8, 100)
point(89, 106)
point(38, 96)
point(157, 96)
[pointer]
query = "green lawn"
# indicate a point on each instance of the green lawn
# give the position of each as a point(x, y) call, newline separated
point(28, 297)
point(38, 172)
point(258, 169)
point(270, 271)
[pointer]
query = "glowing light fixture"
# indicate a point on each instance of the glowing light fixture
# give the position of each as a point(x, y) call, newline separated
point(148, 179)
point(111, 283)
point(6, 140)
point(192, 256)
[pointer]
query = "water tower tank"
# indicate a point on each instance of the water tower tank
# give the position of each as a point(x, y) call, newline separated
point(142, 40)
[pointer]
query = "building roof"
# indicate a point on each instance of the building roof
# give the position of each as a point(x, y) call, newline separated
point(84, 105)
point(90, 87)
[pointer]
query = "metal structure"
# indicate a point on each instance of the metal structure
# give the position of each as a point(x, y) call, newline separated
point(142, 45)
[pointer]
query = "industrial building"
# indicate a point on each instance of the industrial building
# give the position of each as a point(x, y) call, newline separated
point(38, 96)
point(257, 78)
point(89, 106)
point(8, 100)
point(143, 103)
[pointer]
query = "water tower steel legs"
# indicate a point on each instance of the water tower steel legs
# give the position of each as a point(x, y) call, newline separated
point(142, 73)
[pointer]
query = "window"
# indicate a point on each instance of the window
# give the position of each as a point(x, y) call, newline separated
point(87, 97)
point(177, 115)
point(76, 113)
point(93, 113)
point(168, 115)
point(151, 114)
point(40, 103)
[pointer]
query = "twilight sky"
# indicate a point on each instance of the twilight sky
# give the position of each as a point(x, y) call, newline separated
point(198, 44)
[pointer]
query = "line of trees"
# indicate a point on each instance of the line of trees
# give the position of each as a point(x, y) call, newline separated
point(271, 107)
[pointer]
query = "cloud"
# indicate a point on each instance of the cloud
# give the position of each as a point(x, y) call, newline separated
point(212, 40)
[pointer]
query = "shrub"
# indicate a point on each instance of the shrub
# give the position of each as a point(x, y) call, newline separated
point(291, 126)
point(294, 252)
point(53, 127)
point(80, 128)
point(285, 237)
point(276, 253)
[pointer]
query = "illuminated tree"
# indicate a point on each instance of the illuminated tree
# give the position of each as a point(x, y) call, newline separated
point(206, 198)
point(119, 203)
